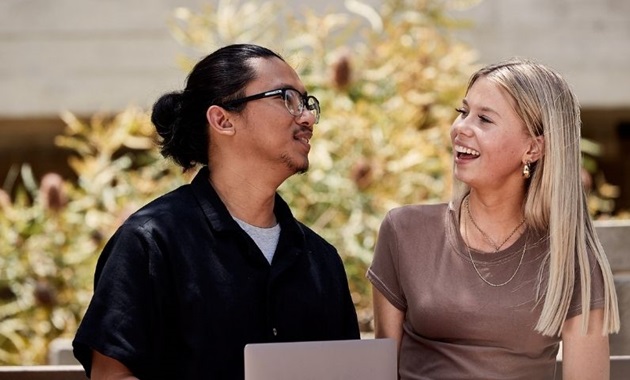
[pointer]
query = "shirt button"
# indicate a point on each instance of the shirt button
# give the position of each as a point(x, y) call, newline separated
point(275, 332)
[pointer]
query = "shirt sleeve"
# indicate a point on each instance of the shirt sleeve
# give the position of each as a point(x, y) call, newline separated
point(117, 321)
point(597, 289)
point(384, 271)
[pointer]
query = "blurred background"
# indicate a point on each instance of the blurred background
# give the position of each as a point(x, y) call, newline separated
point(77, 153)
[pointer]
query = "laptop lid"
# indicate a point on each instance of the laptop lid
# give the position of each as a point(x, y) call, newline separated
point(364, 359)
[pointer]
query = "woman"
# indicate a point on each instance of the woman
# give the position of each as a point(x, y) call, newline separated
point(487, 286)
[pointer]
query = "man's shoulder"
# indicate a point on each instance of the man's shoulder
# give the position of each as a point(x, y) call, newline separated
point(169, 207)
point(311, 236)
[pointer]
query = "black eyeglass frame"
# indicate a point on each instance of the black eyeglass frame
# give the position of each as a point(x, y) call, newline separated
point(280, 92)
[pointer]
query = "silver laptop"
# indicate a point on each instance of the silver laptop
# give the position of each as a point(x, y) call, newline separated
point(361, 359)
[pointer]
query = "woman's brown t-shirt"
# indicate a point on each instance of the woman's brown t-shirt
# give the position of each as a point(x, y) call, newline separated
point(456, 326)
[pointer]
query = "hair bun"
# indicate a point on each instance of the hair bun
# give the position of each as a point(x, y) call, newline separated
point(166, 114)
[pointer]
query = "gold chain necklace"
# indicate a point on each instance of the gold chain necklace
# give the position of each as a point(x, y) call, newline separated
point(497, 248)
point(473, 261)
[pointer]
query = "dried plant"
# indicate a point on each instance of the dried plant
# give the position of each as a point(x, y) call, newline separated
point(53, 231)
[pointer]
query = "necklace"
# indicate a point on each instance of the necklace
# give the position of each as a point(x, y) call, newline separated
point(496, 247)
point(473, 261)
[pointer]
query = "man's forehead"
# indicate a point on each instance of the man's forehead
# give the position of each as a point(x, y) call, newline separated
point(273, 73)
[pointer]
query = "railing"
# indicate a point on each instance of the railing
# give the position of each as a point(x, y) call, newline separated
point(42, 372)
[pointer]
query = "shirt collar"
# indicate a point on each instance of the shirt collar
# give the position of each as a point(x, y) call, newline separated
point(220, 218)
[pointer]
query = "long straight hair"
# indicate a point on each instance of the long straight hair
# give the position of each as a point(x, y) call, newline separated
point(555, 199)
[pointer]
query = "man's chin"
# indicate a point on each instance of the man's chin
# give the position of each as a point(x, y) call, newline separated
point(296, 167)
point(301, 169)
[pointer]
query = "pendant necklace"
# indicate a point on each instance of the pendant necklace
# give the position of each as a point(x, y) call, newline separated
point(497, 248)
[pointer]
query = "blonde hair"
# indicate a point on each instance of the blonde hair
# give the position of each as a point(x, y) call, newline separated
point(555, 200)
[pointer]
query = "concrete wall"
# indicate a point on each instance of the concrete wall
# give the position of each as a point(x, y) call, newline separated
point(615, 238)
point(84, 55)
point(587, 40)
point(91, 55)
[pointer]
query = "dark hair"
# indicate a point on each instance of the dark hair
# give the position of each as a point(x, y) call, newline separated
point(180, 116)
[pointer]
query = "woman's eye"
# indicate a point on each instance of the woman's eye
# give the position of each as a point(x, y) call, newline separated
point(461, 111)
point(485, 119)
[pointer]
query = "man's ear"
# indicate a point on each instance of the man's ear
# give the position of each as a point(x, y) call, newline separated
point(218, 120)
point(536, 149)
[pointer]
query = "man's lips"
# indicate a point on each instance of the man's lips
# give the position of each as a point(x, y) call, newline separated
point(304, 137)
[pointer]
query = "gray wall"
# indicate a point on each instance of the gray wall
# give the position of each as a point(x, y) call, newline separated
point(84, 55)
point(91, 55)
point(587, 40)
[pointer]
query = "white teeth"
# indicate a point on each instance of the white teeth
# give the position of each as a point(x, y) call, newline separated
point(463, 149)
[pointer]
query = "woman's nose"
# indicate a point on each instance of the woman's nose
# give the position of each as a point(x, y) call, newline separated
point(460, 127)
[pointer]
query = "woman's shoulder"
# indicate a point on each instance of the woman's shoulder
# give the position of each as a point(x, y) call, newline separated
point(417, 212)
point(410, 217)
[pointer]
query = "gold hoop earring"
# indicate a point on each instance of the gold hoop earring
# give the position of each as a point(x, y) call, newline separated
point(527, 170)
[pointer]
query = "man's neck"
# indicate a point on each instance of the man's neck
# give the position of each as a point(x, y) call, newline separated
point(246, 199)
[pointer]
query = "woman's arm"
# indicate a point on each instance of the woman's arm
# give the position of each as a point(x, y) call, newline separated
point(585, 356)
point(388, 320)
point(106, 368)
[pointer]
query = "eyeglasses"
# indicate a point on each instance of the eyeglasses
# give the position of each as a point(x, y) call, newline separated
point(295, 102)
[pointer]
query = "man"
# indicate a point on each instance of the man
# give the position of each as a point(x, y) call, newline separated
point(195, 275)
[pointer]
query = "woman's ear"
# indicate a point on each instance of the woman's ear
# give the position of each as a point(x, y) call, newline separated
point(536, 149)
point(218, 120)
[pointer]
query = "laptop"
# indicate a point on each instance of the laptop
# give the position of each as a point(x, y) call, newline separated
point(361, 359)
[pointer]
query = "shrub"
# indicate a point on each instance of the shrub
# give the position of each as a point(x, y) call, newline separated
point(52, 231)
